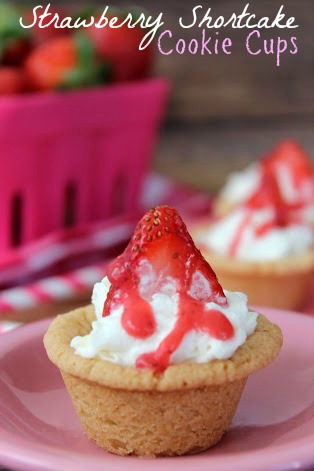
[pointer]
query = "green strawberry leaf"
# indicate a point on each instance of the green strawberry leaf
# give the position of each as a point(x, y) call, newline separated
point(85, 50)
point(10, 27)
point(82, 77)
point(89, 71)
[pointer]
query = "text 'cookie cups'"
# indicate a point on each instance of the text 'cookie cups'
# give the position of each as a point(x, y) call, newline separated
point(185, 409)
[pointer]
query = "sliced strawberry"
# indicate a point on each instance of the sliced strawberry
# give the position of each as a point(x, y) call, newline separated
point(108, 304)
point(162, 239)
point(289, 153)
point(289, 157)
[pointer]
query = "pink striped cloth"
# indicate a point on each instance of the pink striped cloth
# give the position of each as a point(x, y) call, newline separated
point(54, 288)
point(6, 326)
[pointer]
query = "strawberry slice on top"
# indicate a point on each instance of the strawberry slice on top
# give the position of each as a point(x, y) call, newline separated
point(291, 154)
point(162, 239)
point(161, 251)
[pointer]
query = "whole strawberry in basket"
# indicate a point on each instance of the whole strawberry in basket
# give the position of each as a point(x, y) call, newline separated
point(65, 62)
point(12, 81)
point(49, 57)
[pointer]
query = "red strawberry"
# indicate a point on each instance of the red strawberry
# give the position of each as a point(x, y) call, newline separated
point(16, 51)
point(11, 81)
point(267, 194)
point(47, 31)
point(120, 47)
point(48, 65)
point(161, 237)
point(64, 62)
point(289, 153)
point(288, 157)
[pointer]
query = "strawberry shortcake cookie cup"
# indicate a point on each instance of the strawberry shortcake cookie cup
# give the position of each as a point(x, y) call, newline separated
point(157, 366)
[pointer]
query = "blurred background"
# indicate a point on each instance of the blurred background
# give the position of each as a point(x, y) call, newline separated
point(228, 110)
point(223, 112)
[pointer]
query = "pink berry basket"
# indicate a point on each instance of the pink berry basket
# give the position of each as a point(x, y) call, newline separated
point(70, 160)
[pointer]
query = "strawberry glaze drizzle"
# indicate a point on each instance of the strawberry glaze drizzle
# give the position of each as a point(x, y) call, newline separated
point(139, 322)
point(236, 241)
point(138, 319)
point(171, 252)
point(192, 316)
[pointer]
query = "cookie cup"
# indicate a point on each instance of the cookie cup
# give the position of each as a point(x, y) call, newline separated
point(185, 409)
point(282, 284)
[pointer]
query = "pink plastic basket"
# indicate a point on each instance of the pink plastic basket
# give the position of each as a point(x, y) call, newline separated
point(75, 158)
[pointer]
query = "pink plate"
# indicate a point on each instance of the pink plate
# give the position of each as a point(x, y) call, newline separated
point(273, 428)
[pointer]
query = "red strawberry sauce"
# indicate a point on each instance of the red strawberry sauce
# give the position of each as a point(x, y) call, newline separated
point(192, 316)
point(138, 318)
point(162, 240)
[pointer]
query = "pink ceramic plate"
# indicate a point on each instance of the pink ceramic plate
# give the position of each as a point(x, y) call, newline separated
point(273, 428)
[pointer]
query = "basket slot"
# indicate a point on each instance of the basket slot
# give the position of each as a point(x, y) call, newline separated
point(16, 232)
point(64, 183)
point(70, 205)
point(16, 182)
point(119, 194)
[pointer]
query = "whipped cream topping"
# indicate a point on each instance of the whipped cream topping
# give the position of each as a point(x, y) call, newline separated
point(237, 235)
point(109, 341)
point(306, 214)
point(241, 185)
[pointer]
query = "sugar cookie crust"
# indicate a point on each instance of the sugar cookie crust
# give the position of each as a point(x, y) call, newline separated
point(257, 352)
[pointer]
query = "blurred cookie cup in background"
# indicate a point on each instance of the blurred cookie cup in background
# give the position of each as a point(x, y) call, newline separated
point(261, 248)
